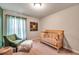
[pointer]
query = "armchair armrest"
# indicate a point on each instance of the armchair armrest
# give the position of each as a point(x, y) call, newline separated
point(18, 38)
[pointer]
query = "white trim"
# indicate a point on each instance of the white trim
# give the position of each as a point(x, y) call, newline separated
point(73, 50)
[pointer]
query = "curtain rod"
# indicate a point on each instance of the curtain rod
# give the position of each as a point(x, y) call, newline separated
point(16, 16)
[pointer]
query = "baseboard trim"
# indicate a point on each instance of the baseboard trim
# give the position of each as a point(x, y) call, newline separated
point(73, 50)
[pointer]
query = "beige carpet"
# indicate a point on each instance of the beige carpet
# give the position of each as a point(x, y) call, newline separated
point(43, 49)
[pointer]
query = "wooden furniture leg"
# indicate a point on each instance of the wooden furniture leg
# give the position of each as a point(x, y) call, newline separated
point(58, 50)
point(16, 49)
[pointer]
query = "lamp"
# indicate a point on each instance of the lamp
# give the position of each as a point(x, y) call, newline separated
point(37, 5)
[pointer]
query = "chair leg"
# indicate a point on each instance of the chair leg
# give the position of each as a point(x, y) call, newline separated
point(58, 50)
point(16, 49)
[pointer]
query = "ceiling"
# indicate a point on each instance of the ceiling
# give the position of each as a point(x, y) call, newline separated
point(28, 8)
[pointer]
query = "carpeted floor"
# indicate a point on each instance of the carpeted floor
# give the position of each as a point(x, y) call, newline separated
point(43, 49)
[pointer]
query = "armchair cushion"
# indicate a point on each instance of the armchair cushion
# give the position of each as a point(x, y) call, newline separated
point(11, 37)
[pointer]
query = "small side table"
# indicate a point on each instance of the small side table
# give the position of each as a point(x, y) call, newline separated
point(6, 51)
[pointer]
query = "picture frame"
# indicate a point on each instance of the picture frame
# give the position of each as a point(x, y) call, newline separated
point(33, 26)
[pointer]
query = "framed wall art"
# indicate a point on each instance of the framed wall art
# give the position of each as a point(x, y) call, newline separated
point(33, 26)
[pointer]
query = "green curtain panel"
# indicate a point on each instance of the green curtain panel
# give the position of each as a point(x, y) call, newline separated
point(16, 25)
point(1, 27)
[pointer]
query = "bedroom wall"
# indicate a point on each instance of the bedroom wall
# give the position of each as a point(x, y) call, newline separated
point(30, 34)
point(68, 20)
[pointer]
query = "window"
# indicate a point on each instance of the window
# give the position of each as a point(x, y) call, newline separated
point(16, 25)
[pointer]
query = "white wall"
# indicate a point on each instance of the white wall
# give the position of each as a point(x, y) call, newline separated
point(68, 20)
point(30, 34)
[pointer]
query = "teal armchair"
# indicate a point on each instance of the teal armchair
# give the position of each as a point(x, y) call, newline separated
point(12, 40)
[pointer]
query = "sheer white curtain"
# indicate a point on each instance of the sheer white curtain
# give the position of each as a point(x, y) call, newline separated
point(16, 25)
